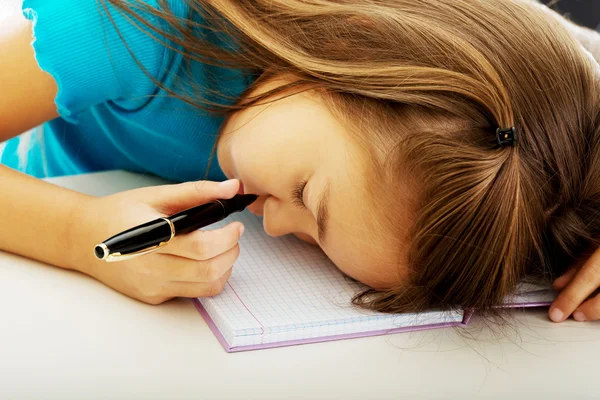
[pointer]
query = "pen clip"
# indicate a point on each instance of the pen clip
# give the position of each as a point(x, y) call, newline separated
point(122, 257)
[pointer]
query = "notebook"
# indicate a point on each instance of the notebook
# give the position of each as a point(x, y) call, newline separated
point(285, 292)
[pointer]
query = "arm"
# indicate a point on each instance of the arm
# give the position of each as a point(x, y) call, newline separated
point(26, 100)
point(35, 217)
point(27, 93)
point(60, 227)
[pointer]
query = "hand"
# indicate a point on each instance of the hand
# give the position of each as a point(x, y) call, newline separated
point(197, 264)
point(575, 286)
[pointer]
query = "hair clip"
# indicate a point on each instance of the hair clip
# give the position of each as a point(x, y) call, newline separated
point(507, 136)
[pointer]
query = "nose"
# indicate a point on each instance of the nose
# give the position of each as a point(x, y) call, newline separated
point(279, 219)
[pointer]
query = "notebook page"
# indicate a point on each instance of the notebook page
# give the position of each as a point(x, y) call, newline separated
point(285, 289)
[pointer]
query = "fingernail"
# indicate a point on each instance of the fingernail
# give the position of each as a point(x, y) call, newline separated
point(556, 315)
point(241, 230)
point(578, 316)
point(227, 184)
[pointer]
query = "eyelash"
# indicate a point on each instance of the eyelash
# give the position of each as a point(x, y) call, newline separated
point(298, 195)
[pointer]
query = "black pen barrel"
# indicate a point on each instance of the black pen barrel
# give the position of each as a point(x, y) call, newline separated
point(197, 217)
point(139, 238)
point(151, 235)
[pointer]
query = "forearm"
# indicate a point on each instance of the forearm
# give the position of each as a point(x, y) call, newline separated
point(36, 217)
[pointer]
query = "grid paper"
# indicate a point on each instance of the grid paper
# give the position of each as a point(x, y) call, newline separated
point(284, 289)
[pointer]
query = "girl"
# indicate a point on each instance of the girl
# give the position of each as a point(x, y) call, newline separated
point(439, 151)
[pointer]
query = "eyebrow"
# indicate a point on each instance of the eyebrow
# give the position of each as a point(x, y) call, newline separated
point(323, 212)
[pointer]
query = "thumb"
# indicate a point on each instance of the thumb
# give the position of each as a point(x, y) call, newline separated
point(174, 198)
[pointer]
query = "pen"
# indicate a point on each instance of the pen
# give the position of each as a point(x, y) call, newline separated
point(149, 237)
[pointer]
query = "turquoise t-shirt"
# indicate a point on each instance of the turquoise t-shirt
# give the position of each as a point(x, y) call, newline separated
point(112, 116)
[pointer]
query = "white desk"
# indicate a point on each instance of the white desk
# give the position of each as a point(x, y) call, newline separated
point(66, 336)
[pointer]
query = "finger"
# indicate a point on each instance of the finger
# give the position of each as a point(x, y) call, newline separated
point(185, 270)
point(192, 289)
point(174, 198)
point(583, 284)
point(588, 311)
point(203, 245)
point(561, 282)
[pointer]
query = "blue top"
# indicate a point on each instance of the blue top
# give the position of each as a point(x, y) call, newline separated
point(112, 116)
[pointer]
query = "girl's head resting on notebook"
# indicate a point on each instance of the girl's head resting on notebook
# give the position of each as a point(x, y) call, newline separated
point(313, 181)
point(391, 108)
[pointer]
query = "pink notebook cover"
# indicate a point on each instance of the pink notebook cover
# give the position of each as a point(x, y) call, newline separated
point(228, 348)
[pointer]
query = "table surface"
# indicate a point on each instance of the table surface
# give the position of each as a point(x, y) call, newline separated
point(65, 336)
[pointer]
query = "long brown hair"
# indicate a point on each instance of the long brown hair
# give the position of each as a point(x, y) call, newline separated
point(422, 85)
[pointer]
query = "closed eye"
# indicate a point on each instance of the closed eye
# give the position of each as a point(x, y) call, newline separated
point(298, 195)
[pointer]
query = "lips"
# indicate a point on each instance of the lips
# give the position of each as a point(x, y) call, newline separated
point(241, 188)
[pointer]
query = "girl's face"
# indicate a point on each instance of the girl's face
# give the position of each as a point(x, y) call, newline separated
point(298, 158)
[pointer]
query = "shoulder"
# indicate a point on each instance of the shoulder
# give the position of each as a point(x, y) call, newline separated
point(97, 52)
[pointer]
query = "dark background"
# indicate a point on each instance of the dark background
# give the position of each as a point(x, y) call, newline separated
point(583, 12)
